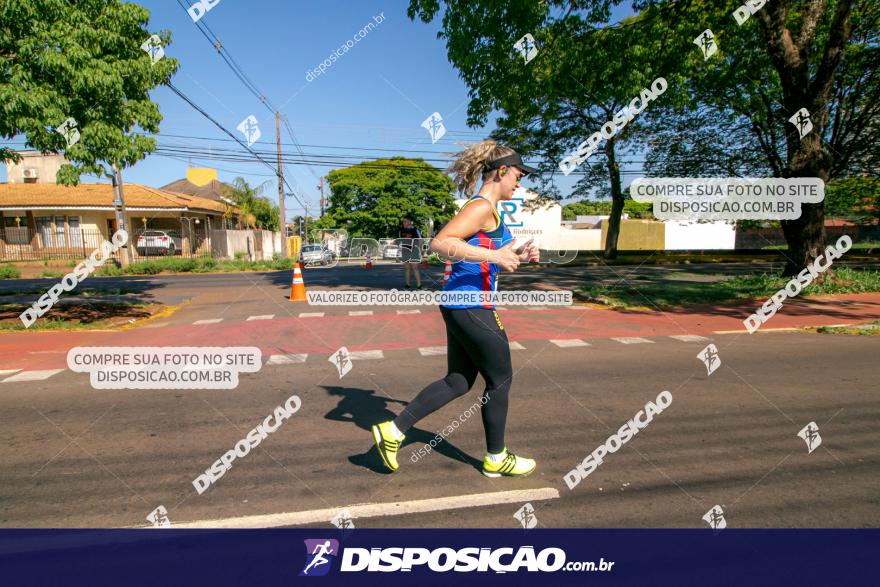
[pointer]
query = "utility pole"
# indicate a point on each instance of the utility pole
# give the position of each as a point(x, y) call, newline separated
point(321, 187)
point(280, 189)
point(119, 205)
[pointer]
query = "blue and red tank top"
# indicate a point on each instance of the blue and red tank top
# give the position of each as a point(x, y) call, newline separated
point(478, 276)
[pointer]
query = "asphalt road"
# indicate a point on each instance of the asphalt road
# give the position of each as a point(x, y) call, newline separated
point(73, 456)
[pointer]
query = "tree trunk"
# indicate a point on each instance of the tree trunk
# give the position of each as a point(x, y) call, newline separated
point(806, 235)
point(810, 88)
point(616, 202)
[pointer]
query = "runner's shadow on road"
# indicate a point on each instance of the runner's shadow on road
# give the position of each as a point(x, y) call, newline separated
point(363, 408)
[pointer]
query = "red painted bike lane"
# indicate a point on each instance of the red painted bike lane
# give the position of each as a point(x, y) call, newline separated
point(390, 331)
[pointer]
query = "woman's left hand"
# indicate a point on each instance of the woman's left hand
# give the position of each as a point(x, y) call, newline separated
point(528, 252)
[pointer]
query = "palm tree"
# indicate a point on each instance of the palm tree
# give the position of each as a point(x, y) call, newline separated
point(247, 198)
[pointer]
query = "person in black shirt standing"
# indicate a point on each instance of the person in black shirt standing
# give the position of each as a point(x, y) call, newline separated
point(411, 251)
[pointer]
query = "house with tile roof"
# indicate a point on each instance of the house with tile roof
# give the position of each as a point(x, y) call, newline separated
point(53, 221)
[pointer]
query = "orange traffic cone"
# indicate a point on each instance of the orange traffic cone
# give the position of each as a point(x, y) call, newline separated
point(297, 288)
point(446, 273)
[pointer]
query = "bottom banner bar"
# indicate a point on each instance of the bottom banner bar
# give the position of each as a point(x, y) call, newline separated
point(437, 557)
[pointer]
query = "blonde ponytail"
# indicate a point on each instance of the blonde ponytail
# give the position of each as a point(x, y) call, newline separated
point(470, 163)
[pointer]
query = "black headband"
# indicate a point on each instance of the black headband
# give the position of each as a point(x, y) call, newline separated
point(514, 160)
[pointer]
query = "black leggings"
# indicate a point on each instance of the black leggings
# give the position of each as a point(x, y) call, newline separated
point(477, 343)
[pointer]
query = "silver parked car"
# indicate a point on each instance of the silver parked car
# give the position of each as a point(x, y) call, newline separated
point(316, 255)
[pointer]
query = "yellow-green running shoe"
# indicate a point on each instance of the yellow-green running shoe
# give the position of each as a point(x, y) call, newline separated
point(510, 466)
point(387, 444)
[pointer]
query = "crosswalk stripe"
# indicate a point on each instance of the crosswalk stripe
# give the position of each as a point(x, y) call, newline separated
point(515, 346)
point(689, 337)
point(430, 351)
point(211, 321)
point(263, 317)
point(568, 342)
point(287, 359)
point(632, 340)
point(5, 372)
point(311, 315)
point(38, 375)
point(360, 313)
point(353, 355)
point(536, 308)
point(409, 311)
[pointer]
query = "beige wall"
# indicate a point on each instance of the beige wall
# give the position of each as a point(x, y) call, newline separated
point(46, 166)
point(638, 235)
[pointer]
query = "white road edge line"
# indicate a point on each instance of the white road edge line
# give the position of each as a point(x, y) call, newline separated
point(744, 331)
point(38, 375)
point(374, 510)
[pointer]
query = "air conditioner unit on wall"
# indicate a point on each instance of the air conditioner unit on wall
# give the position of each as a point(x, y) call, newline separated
point(30, 173)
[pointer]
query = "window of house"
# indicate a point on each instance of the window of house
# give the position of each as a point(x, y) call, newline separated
point(59, 230)
point(75, 234)
point(44, 229)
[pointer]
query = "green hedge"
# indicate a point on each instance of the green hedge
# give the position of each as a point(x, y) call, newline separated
point(9, 271)
point(194, 265)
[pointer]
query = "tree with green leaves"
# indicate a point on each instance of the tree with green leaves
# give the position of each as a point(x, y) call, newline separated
point(856, 199)
point(734, 108)
point(256, 210)
point(818, 55)
point(581, 78)
point(82, 60)
point(603, 208)
point(371, 198)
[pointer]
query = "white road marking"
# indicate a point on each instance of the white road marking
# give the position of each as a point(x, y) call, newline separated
point(375, 510)
point(632, 340)
point(366, 355)
point(263, 317)
point(515, 346)
point(6, 372)
point(287, 359)
point(568, 342)
point(744, 331)
point(360, 313)
point(536, 308)
point(311, 315)
point(501, 308)
point(409, 311)
point(211, 321)
point(33, 375)
point(430, 351)
point(689, 337)
point(573, 307)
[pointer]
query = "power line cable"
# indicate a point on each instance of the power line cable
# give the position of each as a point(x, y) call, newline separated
point(221, 127)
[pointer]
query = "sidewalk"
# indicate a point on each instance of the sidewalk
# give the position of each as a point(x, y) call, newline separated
point(305, 332)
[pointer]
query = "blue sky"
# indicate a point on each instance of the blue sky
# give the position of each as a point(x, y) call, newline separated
point(374, 97)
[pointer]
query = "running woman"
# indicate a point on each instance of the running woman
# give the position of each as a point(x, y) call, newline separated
point(479, 244)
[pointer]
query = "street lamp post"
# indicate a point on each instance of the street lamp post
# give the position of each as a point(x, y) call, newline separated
point(189, 220)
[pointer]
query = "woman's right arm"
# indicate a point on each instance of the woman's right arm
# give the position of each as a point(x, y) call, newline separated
point(450, 243)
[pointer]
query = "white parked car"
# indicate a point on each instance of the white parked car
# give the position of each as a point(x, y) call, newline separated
point(392, 251)
point(158, 242)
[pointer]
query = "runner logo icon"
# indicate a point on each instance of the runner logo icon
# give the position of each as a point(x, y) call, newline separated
point(320, 554)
